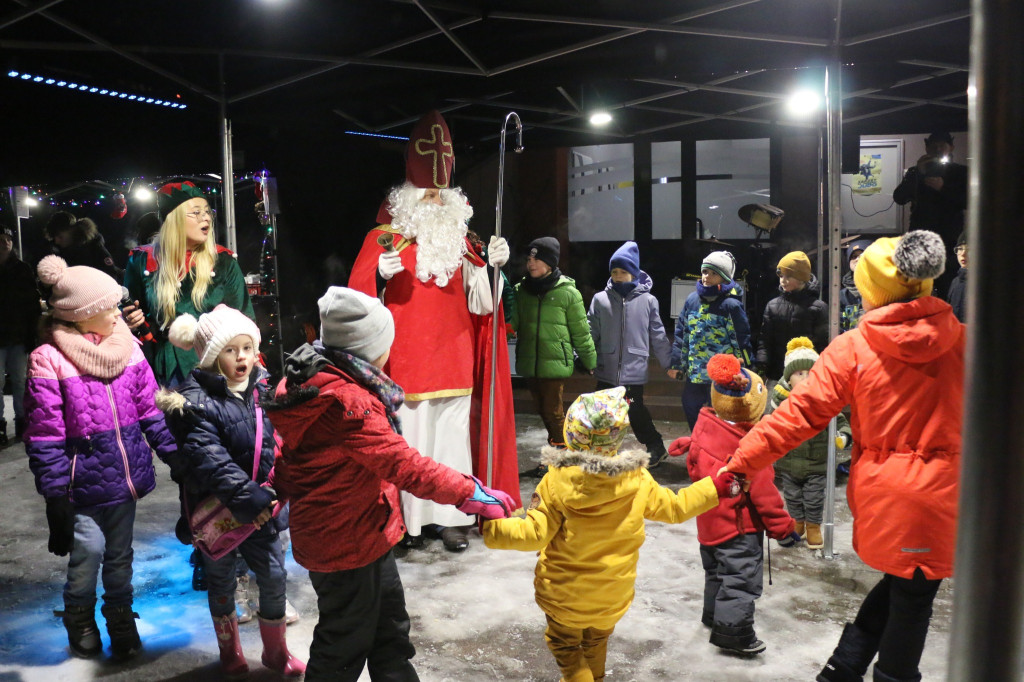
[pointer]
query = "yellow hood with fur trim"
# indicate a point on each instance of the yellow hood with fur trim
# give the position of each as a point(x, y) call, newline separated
point(586, 519)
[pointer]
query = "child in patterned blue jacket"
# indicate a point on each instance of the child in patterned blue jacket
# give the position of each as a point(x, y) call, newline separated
point(712, 321)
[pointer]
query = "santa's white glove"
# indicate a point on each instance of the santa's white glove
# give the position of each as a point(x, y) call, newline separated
point(497, 251)
point(389, 264)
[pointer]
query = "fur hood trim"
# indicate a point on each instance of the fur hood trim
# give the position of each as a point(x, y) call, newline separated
point(169, 401)
point(609, 465)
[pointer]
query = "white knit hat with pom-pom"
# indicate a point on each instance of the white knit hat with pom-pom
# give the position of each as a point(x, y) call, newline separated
point(800, 355)
point(79, 292)
point(211, 332)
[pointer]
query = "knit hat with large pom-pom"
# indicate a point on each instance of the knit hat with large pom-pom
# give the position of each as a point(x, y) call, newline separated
point(800, 355)
point(737, 394)
point(900, 268)
point(78, 292)
point(208, 335)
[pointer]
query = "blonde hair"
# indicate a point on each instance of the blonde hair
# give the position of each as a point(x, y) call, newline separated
point(171, 249)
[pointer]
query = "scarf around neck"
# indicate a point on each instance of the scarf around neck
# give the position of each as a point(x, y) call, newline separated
point(372, 379)
point(103, 358)
point(542, 285)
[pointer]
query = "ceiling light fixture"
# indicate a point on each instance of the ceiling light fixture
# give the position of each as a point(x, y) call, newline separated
point(43, 80)
point(600, 118)
point(803, 102)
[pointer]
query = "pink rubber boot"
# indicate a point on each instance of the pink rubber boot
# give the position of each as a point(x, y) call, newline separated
point(275, 652)
point(232, 661)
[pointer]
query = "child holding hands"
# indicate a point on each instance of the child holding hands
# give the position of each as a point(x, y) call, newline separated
point(587, 523)
point(732, 534)
point(228, 444)
point(90, 437)
point(343, 462)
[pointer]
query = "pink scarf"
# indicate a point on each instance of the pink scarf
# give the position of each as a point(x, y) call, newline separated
point(103, 358)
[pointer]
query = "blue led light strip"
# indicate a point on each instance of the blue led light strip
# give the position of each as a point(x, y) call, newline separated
point(43, 80)
point(386, 137)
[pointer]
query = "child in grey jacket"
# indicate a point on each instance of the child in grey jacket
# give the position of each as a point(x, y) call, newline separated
point(627, 328)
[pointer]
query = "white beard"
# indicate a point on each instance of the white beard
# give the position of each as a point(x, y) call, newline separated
point(439, 231)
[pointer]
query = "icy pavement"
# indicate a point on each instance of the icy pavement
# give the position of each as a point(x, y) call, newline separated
point(473, 613)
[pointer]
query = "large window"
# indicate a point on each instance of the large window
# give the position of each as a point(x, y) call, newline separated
point(601, 193)
point(666, 194)
point(730, 173)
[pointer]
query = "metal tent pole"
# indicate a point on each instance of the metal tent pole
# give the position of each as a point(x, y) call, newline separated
point(988, 605)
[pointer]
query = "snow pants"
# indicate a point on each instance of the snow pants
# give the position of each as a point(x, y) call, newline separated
point(805, 497)
point(733, 576)
point(579, 652)
point(363, 622)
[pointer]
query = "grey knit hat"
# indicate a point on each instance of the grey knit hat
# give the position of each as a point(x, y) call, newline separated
point(356, 323)
point(722, 262)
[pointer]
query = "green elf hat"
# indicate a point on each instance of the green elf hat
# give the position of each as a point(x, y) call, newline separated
point(174, 194)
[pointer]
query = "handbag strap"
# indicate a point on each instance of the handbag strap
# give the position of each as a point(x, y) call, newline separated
point(258, 450)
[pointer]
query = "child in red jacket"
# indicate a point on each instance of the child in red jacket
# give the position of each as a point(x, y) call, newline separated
point(732, 534)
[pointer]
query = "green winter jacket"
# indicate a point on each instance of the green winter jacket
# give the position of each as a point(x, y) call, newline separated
point(811, 456)
point(171, 364)
point(550, 328)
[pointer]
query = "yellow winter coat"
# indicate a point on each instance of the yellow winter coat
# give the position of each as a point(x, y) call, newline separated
point(587, 520)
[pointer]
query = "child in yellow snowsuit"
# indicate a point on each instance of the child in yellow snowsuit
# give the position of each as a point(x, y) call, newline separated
point(587, 521)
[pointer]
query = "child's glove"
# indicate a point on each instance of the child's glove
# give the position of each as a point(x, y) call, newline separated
point(60, 516)
point(726, 484)
point(488, 503)
point(842, 441)
point(790, 540)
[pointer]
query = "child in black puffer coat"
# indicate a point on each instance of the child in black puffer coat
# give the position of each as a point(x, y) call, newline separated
point(215, 416)
point(796, 311)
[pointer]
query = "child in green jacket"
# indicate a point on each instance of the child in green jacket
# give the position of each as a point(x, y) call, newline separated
point(802, 470)
point(552, 327)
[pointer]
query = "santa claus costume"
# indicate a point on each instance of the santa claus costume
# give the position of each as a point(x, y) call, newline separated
point(440, 295)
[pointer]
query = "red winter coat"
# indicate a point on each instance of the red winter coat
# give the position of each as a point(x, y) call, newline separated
point(901, 371)
point(713, 440)
point(342, 466)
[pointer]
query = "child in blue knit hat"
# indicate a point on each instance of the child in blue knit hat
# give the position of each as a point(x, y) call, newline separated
point(627, 329)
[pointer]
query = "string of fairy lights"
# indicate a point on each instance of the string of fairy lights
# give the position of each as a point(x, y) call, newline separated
point(109, 193)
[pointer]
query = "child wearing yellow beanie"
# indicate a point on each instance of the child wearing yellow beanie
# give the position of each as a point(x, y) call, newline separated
point(901, 371)
point(797, 311)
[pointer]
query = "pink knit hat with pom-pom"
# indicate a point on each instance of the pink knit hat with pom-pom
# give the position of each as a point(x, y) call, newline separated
point(79, 292)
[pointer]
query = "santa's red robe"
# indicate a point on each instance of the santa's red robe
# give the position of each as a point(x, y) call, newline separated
point(442, 350)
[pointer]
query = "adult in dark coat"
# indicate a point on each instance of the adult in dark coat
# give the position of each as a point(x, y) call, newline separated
point(957, 296)
point(19, 316)
point(936, 188)
point(79, 242)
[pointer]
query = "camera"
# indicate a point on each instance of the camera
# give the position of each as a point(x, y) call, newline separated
point(933, 167)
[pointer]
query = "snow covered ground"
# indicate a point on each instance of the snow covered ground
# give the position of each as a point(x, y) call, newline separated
point(473, 613)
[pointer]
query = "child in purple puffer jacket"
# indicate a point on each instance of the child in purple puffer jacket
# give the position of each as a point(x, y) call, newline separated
point(91, 424)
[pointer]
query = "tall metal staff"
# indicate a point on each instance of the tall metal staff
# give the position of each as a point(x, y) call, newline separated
point(497, 279)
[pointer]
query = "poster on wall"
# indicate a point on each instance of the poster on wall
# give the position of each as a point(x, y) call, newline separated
point(866, 196)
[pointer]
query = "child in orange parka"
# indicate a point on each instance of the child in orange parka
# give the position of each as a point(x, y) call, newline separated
point(732, 534)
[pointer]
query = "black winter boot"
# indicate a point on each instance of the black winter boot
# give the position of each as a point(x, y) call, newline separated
point(852, 656)
point(880, 676)
point(740, 640)
point(19, 427)
point(124, 636)
point(3, 433)
point(83, 634)
point(837, 671)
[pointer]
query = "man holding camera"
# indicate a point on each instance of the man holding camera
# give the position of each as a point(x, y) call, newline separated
point(936, 188)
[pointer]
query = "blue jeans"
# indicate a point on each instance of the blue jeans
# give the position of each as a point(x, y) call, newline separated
point(262, 552)
point(13, 361)
point(102, 535)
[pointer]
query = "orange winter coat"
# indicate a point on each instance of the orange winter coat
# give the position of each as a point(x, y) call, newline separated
point(901, 371)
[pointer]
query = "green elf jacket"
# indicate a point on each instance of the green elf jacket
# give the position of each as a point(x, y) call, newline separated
point(171, 364)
